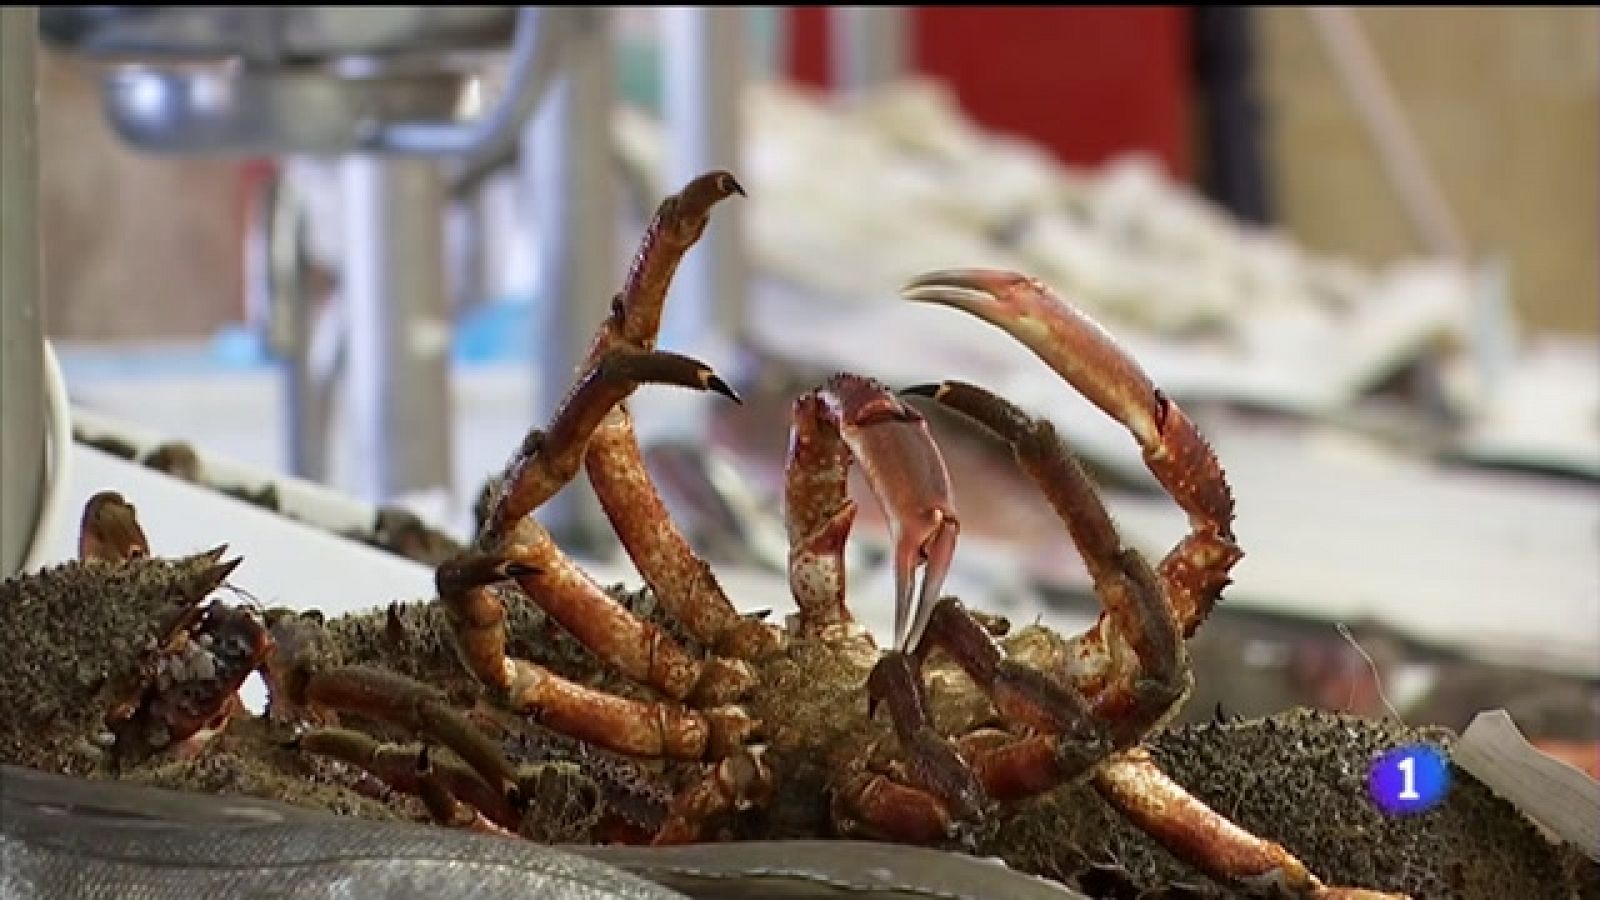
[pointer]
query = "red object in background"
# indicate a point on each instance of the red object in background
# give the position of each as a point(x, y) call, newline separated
point(1086, 82)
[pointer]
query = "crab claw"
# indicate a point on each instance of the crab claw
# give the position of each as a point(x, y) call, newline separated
point(1068, 341)
point(1088, 358)
point(851, 417)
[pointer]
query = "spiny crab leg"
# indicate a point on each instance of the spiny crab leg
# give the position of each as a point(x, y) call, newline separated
point(1084, 354)
point(907, 476)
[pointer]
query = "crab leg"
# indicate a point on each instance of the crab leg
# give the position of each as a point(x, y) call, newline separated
point(738, 782)
point(935, 765)
point(633, 647)
point(397, 700)
point(1195, 833)
point(110, 530)
point(639, 650)
point(906, 474)
point(549, 459)
point(1132, 689)
point(403, 769)
point(1079, 350)
point(1069, 742)
point(641, 728)
point(445, 807)
point(677, 225)
point(636, 649)
point(682, 582)
point(680, 579)
point(954, 783)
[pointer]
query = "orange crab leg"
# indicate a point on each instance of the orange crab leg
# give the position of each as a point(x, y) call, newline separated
point(637, 649)
point(682, 582)
point(1079, 350)
point(873, 803)
point(641, 728)
point(677, 225)
point(550, 458)
point(907, 475)
point(1195, 833)
point(477, 614)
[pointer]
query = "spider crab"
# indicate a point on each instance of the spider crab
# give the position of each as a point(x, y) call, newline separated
point(925, 741)
point(809, 727)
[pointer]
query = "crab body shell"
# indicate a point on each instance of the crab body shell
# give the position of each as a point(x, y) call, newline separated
point(97, 635)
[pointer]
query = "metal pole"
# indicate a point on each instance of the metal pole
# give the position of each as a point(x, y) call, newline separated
point(868, 45)
point(566, 171)
point(704, 56)
point(398, 381)
point(22, 450)
point(1399, 151)
point(308, 412)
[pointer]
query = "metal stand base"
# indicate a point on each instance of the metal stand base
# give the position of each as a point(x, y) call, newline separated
point(398, 380)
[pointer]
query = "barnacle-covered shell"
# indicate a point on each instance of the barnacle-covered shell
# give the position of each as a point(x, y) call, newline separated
point(79, 639)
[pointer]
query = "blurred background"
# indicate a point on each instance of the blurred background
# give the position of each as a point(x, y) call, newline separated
point(348, 257)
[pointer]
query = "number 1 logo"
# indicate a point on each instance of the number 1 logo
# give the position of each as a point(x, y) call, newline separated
point(1409, 779)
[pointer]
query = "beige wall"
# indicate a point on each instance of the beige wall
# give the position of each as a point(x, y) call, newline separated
point(134, 246)
point(1506, 105)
